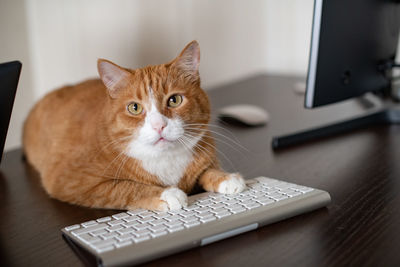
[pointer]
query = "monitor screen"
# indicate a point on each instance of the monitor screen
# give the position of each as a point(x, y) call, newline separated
point(351, 40)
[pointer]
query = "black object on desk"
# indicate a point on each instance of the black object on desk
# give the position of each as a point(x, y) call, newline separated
point(9, 76)
point(359, 169)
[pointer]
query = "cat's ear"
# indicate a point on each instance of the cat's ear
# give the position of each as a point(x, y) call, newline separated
point(189, 60)
point(113, 76)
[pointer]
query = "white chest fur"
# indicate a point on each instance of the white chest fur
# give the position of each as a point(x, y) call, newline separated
point(169, 167)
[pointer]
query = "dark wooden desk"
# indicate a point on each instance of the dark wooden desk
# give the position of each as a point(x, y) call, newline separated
point(361, 170)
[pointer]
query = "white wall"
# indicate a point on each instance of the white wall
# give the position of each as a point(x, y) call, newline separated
point(59, 41)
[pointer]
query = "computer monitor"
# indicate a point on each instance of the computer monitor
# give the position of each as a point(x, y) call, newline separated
point(353, 42)
point(353, 49)
point(9, 76)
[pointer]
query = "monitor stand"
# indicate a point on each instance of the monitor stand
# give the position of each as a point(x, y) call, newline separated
point(386, 116)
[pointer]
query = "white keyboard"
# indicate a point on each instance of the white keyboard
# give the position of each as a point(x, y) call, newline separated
point(124, 237)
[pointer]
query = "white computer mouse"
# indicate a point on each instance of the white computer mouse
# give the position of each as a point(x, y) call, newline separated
point(249, 115)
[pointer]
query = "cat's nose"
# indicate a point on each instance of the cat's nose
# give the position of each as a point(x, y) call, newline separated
point(158, 123)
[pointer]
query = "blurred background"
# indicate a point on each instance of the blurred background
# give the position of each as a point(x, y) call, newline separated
point(59, 41)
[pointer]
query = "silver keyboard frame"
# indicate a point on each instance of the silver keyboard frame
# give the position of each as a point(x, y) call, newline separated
point(207, 233)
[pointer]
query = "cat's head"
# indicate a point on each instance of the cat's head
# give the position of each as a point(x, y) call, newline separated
point(156, 109)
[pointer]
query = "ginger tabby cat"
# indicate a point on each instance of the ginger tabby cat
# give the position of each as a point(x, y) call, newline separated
point(132, 139)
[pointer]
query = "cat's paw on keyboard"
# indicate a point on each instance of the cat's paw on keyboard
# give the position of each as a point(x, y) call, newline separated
point(174, 199)
point(233, 185)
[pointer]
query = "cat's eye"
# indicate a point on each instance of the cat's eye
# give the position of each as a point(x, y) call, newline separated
point(135, 108)
point(175, 101)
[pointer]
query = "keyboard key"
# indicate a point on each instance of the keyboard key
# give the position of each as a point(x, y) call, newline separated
point(124, 237)
point(248, 202)
point(238, 210)
point(160, 233)
point(223, 214)
point(206, 202)
point(161, 215)
point(143, 232)
point(89, 229)
point(146, 214)
point(220, 210)
point(217, 205)
point(257, 194)
point(126, 230)
point(302, 189)
point(131, 218)
point(99, 232)
point(175, 229)
point(142, 226)
point(104, 249)
point(104, 243)
point(203, 209)
point(158, 222)
point(208, 219)
point(115, 228)
point(139, 239)
point(277, 196)
point(191, 224)
point(173, 218)
point(120, 215)
point(283, 186)
point(157, 228)
point(136, 212)
point(146, 219)
point(115, 222)
point(187, 213)
point(135, 225)
point(231, 202)
point(243, 198)
point(190, 208)
point(72, 227)
point(220, 198)
point(89, 223)
point(173, 223)
point(265, 201)
point(234, 206)
point(190, 219)
point(109, 235)
point(123, 244)
point(253, 205)
point(290, 192)
point(203, 215)
point(104, 219)
point(88, 238)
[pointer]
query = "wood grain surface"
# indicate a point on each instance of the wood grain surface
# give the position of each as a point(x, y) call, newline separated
point(361, 171)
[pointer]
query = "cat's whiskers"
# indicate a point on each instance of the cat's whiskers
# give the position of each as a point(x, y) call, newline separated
point(205, 150)
point(189, 138)
point(212, 119)
point(208, 125)
point(122, 153)
point(123, 161)
point(190, 145)
point(219, 138)
point(214, 125)
point(185, 146)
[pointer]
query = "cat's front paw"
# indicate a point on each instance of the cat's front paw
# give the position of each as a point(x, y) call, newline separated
point(174, 199)
point(232, 185)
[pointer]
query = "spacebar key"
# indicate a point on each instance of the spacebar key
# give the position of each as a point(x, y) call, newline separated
point(89, 229)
